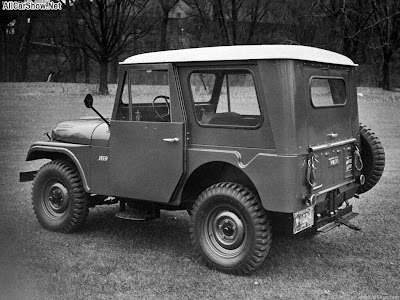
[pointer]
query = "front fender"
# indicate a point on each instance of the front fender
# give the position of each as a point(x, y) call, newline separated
point(78, 154)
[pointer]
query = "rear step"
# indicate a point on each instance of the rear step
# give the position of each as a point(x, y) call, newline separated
point(341, 218)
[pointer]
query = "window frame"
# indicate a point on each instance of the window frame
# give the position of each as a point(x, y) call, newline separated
point(331, 105)
point(214, 69)
point(126, 83)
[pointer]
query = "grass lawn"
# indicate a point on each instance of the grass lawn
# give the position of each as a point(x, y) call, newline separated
point(116, 259)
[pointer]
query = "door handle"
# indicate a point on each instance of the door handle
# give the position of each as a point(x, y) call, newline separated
point(171, 140)
point(333, 135)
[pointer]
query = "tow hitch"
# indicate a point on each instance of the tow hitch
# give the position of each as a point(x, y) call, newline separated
point(342, 217)
point(345, 221)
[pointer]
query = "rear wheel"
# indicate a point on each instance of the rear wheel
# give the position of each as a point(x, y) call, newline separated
point(230, 229)
point(373, 158)
point(58, 197)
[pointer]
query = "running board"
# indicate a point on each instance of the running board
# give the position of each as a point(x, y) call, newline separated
point(136, 215)
point(343, 220)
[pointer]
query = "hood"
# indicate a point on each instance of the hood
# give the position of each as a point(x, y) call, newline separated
point(77, 131)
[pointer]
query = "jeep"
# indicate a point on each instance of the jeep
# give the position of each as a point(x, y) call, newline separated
point(244, 138)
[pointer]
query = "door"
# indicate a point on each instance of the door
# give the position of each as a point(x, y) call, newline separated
point(147, 144)
point(147, 159)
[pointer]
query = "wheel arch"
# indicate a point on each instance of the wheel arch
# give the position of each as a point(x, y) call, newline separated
point(211, 173)
point(53, 153)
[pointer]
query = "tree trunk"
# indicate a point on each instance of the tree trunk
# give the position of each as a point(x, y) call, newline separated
point(4, 54)
point(86, 61)
point(72, 63)
point(103, 86)
point(218, 16)
point(86, 67)
point(114, 70)
point(164, 27)
point(339, 18)
point(387, 55)
point(24, 51)
point(71, 45)
point(234, 22)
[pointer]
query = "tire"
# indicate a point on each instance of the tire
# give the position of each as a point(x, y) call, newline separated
point(58, 197)
point(373, 158)
point(230, 230)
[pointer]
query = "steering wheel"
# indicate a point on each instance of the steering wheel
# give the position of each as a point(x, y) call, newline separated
point(162, 116)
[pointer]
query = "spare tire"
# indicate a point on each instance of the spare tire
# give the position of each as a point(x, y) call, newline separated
point(373, 158)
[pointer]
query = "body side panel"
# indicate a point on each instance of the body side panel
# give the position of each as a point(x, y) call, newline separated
point(285, 106)
point(279, 180)
point(100, 170)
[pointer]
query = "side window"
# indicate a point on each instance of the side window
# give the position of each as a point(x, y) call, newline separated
point(327, 92)
point(145, 96)
point(225, 98)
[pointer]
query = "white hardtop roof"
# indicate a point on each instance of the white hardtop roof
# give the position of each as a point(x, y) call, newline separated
point(242, 52)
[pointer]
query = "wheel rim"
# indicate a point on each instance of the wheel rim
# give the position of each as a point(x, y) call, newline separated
point(225, 233)
point(55, 199)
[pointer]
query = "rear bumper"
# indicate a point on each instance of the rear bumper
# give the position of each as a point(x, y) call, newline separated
point(346, 188)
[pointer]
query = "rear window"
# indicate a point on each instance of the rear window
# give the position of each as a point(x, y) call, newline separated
point(327, 91)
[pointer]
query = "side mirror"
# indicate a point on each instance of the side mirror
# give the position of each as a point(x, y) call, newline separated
point(89, 104)
point(88, 101)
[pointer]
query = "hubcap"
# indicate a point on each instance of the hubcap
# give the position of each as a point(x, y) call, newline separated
point(55, 198)
point(226, 230)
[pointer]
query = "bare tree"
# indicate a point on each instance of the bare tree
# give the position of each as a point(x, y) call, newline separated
point(374, 24)
point(385, 28)
point(111, 27)
point(166, 6)
point(231, 22)
point(72, 49)
point(5, 18)
point(16, 32)
point(303, 23)
point(340, 24)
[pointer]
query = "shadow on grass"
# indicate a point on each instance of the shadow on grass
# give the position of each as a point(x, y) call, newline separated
point(169, 233)
point(313, 254)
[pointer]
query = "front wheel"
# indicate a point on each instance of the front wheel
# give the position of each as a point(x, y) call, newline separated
point(58, 197)
point(230, 229)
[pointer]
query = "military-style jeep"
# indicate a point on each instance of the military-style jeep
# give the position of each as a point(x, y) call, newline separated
point(241, 137)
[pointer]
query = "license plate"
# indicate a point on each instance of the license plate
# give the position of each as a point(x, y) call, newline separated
point(303, 219)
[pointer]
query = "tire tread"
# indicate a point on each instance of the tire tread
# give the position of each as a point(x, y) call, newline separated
point(376, 154)
point(262, 227)
point(79, 198)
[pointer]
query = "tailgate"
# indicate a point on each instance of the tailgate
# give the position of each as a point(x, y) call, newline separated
point(333, 164)
point(329, 125)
